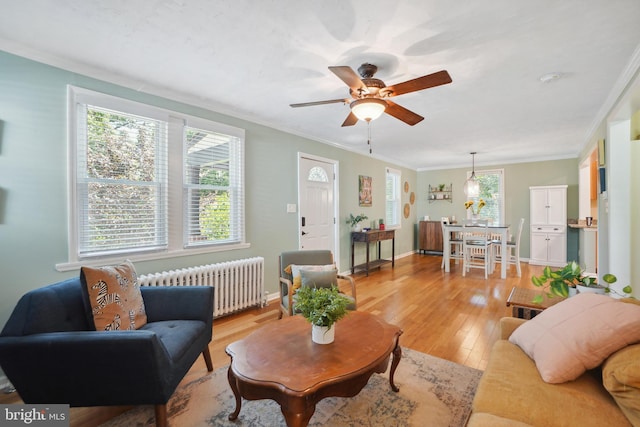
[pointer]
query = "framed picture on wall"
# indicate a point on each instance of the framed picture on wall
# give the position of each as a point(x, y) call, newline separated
point(364, 190)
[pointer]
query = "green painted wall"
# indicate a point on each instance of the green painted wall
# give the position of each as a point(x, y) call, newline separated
point(517, 180)
point(33, 182)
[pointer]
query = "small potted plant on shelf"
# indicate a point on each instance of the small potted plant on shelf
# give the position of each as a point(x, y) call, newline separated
point(570, 279)
point(322, 307)
point(354, 221)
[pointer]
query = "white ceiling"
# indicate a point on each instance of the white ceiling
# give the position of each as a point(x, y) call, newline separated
point(251, 59)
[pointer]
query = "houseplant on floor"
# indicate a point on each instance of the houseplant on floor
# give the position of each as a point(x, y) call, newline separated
point(322, 307)
point(559, 282)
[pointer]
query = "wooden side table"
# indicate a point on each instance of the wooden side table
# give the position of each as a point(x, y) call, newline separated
point(372, 236)
point(521, 301)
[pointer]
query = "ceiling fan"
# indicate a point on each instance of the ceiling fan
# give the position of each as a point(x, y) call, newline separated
point(370, 96)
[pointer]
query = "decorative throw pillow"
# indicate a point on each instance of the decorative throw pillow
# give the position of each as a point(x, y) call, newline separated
point(621, 378)
point(297, 278)
point(319, 279)
point(577, 334)
point(115, 297)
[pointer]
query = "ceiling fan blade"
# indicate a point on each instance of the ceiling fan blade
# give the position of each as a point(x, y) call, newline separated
point(350, 120)
point(330, 101)
point(347, 75)
point(420, 83)
point(401, 113)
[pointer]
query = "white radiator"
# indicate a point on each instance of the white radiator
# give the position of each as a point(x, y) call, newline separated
point(238, 284)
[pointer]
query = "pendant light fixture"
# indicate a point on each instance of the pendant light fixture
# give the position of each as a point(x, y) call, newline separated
point(471, 185)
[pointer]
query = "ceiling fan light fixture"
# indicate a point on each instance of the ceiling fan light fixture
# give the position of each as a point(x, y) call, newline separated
point(472, 186)
point(368, 109)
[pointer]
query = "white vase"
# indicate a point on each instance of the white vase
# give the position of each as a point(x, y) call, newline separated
point(590, 289)
point(357, 228)
point(323, 334)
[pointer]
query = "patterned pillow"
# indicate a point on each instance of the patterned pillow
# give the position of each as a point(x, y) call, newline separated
point(115, 297)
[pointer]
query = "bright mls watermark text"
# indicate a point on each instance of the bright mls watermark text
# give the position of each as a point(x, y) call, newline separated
point(34, 415)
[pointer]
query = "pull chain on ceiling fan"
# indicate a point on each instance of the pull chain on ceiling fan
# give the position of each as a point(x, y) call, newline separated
point(370, 96)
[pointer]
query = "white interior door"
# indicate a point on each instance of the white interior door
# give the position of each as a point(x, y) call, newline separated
point(317, 201)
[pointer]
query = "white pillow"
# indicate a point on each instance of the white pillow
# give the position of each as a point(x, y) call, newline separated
point(297, 278)
point(577, 334)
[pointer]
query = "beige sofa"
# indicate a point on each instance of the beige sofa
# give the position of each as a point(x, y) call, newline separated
point(512, 393)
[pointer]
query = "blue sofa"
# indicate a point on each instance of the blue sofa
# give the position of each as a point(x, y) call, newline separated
point(51, 352)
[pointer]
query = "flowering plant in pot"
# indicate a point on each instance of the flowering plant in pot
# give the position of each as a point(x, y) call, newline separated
point(469, 205)
point(558, 282)
point(322, 307)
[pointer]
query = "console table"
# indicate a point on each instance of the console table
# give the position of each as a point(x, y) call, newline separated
point(372, 236)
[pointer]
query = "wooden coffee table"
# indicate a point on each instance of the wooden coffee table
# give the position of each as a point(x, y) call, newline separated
point(280, 362)
point(521, 301)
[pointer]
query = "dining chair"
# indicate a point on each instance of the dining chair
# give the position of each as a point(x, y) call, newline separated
point(476, 246)
point(455, 244)
point(512, 256)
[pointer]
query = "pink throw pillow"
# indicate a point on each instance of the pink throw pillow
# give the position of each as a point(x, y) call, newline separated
point(577, 334)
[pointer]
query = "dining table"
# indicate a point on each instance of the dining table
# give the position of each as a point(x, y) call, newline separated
point(501, 229)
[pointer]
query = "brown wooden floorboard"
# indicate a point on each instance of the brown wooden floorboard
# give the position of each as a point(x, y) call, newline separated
point(442, 314)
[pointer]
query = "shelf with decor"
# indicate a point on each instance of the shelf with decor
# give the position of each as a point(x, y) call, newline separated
point(440, 192)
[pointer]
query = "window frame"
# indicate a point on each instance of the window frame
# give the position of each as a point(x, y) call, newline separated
point(176, 123)
point(395, 198)
point(501, 181)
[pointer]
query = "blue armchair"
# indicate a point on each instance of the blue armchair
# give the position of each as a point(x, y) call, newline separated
point(51, 353)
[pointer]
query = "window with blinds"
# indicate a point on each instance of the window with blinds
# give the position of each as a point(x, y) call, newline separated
point(213, 197)
point(393, 198)
point(492, 192)
point(146, 181)
point(121, 182)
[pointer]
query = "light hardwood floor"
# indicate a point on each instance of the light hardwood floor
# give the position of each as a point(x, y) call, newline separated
point(442, 314)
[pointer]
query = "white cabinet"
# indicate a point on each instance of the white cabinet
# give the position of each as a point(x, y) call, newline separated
point(548, 219)
point(549, 205)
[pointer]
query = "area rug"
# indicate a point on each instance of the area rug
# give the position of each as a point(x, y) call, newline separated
point(433, 392)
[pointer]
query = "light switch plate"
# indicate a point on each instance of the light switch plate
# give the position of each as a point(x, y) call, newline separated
point(291, 208)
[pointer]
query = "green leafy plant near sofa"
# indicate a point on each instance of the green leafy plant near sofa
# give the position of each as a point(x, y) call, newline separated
point(557, 282)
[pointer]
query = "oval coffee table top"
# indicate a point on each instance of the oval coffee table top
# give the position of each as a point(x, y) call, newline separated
point(283, 353)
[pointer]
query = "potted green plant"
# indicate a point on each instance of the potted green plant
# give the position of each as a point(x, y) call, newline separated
point(322, 307)
point(560, 282)
point(354, 221)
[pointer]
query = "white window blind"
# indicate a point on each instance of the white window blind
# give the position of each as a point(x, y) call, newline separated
point(213, 190)
point(393, 198)
point(121, 182)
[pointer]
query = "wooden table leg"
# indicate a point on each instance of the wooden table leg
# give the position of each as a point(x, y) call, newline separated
point(298, 419)
point(397, 354)
point(234, 387)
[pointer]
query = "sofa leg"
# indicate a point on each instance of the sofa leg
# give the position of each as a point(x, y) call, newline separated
point(207, 358)
point(161, 415)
